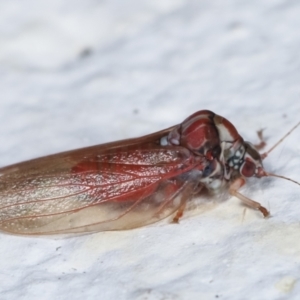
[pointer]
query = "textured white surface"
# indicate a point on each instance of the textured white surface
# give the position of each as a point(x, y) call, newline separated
point(78, 73)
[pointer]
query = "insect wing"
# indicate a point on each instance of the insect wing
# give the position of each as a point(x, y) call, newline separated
point(113, 186)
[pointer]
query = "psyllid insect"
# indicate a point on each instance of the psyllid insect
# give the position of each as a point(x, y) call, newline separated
point(129, 183)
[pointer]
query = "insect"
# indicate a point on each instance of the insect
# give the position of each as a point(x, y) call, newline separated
point(129, 183)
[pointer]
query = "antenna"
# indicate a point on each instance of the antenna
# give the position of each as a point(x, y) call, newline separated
point(283, 177)
point(265, 154)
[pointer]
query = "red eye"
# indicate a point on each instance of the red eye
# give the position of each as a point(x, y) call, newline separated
point(248, 169)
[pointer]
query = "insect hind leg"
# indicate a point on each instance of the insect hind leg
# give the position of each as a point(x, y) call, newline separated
point(186, 196)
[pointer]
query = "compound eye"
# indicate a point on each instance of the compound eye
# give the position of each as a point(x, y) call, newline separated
point(248, 169)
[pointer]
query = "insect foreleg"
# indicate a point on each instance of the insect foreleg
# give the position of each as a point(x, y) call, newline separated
point(262, 141)
point(235, 185)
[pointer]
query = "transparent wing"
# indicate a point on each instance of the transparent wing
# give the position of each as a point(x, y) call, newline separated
point(40, 218)
point(114, 186)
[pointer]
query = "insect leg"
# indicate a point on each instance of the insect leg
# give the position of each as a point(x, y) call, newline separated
point(188, 193)
point(185, 192)
point(262, 142)
point(239, 182)
point(180, 211)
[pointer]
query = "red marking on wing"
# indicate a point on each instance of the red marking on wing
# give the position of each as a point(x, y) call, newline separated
point(125, 176)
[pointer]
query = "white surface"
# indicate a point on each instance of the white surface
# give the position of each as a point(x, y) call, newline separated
point(152, 63)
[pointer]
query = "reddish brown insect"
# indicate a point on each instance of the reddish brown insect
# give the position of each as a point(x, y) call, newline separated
point(129, 183)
